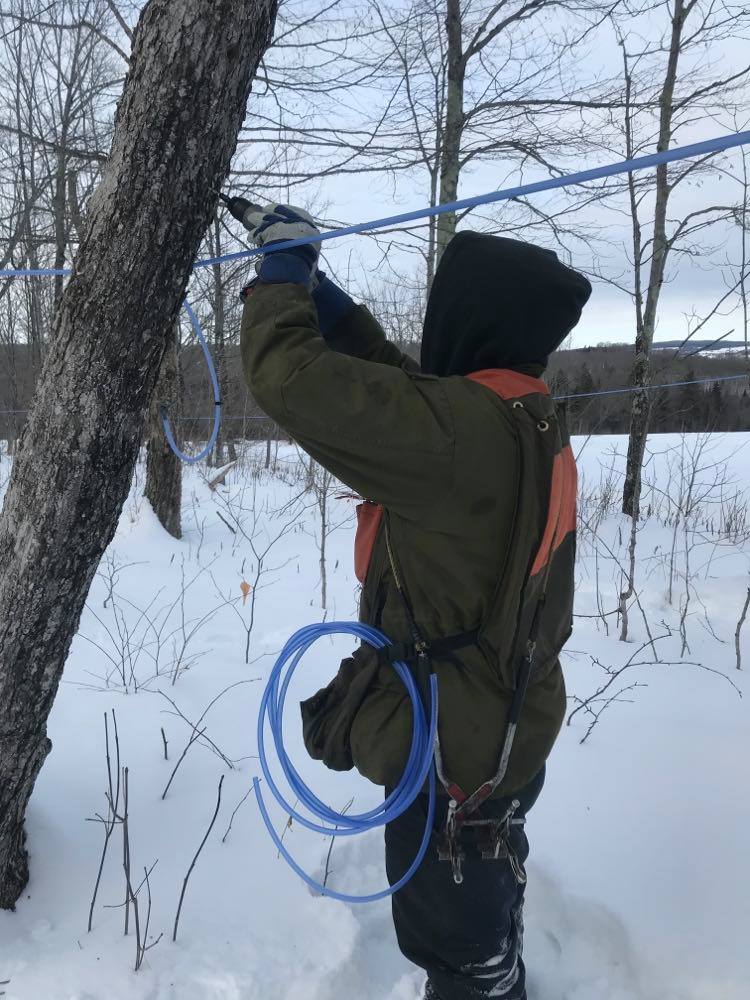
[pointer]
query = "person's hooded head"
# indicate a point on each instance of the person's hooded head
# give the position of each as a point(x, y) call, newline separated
point(498, 303)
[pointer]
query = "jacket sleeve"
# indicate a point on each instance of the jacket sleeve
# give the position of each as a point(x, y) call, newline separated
point(351, 329)
point(360, 335)
point(384, 431)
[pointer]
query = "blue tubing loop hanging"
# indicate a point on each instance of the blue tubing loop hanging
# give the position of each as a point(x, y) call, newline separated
point(193, 459)
point(420, 767)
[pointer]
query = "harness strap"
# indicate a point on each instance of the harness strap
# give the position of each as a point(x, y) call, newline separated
point(407, 651)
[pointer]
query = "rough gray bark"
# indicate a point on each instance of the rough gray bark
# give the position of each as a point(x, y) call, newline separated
point(163, 487)
point(175, 131)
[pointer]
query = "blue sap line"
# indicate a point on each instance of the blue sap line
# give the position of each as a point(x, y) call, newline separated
point(420, 765)
point(715, 145)
point(193, 459)
point(326, 820)
point(648, 388)
point(45, 272)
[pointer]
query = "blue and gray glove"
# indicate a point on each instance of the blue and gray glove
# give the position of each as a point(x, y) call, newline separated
point(275, 224)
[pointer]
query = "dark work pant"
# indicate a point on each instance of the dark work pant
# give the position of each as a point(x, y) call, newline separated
point(468, 938)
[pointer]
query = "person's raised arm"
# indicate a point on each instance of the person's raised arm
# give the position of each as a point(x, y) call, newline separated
point(385, 432)
point(346, 327)
point(352, 329)
point(382, 430)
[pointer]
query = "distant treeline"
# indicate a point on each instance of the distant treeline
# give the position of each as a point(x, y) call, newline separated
point(242, 416)
point(714, 405)
point(720, 406)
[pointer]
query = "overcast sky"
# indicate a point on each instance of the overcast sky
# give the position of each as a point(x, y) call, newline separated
point(695, 282)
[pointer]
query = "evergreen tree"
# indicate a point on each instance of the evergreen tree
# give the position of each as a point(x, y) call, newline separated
point(690, 410)
point(716, 408)
point(582, 411)
point(663, 406)
point(559, 385)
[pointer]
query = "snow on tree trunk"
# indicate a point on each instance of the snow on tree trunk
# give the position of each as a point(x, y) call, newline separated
point(175, 131)
point(163, 487)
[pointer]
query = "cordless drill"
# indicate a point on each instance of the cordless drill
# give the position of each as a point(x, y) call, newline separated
point(238, 207)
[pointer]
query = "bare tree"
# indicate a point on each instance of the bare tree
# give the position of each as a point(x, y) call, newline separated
point(467, 86)
point(676, 74)
point(323, 485)
point(57, 92)
point(743, 220)
point(738, 630)
point(184, 100)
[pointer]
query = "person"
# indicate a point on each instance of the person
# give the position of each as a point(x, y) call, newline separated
point(465, 549)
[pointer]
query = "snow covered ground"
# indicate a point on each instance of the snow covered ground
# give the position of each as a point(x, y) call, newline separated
point(639, 884)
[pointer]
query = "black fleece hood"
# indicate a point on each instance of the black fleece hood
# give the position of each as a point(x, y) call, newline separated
point(498, 303)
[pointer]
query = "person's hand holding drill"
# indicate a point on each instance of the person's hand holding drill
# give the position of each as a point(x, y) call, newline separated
point(278, 223)
point(271, 224)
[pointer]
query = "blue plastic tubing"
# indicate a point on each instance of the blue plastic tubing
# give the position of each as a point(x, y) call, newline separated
point(325, 820)
point(192, 459)
point(718, 144)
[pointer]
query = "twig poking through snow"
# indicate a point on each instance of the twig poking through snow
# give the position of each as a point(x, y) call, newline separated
point(740, 623)
point(196, 735)
point(145, 946)
point(113, 802)
point(234, 813)
point(287, 826)
point(192, 863)
point(327, 873)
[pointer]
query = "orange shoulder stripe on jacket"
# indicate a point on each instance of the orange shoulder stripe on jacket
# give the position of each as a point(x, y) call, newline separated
point(561, 513)
point(509, 384)
point(369, 516)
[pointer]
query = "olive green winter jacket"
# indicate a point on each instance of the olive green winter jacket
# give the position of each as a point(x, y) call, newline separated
point(443, 456)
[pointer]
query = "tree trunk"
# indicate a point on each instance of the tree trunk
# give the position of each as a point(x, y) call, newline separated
point(432, 224)
point(59, 204)
point(323, 505)
point(641, 373)
point(175, 130)
point(450, 153)
point(745, 225)
point(220, 353)
point(163, 487)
